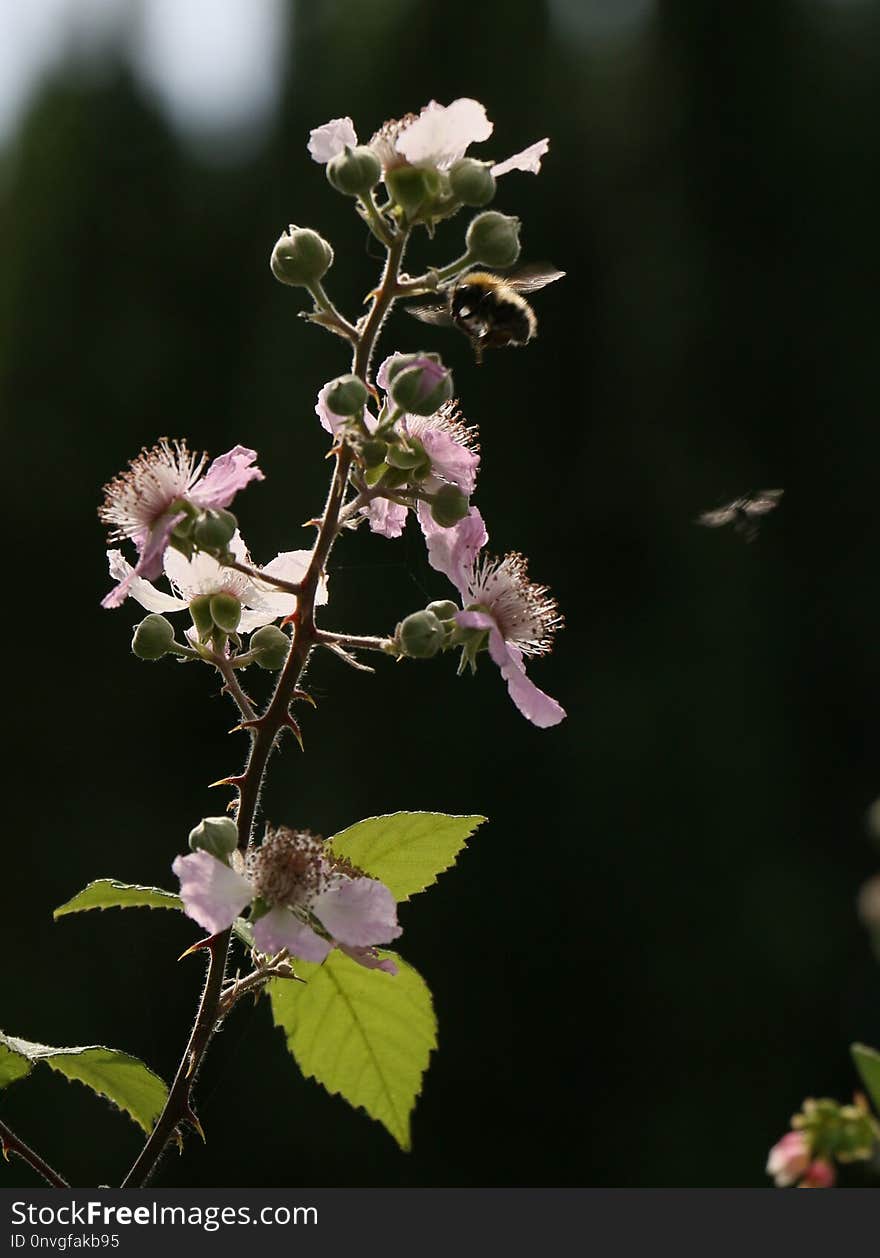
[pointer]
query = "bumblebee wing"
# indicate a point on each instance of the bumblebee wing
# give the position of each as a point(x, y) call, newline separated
point(535, 275)
point(715, 519)
point(435, 312)
point(763, 502)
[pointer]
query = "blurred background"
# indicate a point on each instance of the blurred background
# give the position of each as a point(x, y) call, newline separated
point(651, 954)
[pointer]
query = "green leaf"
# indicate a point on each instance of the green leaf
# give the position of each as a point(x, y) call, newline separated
point(361, 1033)
point(867, 1062)
point(121, 1079)
point(107, 893)
point(406, 850)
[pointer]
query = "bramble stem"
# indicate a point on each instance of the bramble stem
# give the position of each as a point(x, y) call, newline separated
point(10, 1143)
point(354, 641)
point(224, 666)
point(264, 734)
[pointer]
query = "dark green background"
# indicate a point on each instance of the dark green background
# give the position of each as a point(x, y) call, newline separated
point(650, 955)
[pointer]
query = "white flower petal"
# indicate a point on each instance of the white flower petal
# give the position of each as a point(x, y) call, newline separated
point(328, 141)
point(528, 160)
point(142, 591)
point(441, 134)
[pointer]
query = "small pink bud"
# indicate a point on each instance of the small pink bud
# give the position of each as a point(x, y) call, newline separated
point(789, 1159)
point(820, 1174)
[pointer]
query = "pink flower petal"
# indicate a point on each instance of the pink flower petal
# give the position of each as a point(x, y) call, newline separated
point(535, 706)
point(388, 519)
point(369, 958)
point(382, 373)
point(359, 912)
point(279, 929)
point(528, 160)
point(329, 419)
point(213, 894)
point(452, 551)
point(225, 477)
point(152, 546)
point(442, 134)
point(328, 141)
point(142, 591)
point(449, 459)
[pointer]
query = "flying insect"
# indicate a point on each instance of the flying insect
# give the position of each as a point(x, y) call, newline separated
point(743, 513)
point(489, 308)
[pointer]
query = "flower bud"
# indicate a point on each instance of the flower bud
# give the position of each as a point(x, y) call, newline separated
point(420, 636)
point(472, 182)
point(300, 257)
point(225, 612)
point(411, 187)
point(152, 638)
point(421, 387)
point(443, 609)
point(394, 477)
point(346, 395)
point(200, 611)
point(213, 529)
point(270, 646)
point(217, 835)
point(373, 453)
point(493, 239)
point(448, 506)
point(406, 457)
point(355, 171)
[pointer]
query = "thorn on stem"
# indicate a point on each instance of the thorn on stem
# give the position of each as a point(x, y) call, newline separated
point(190, 1116)
point(235, 780)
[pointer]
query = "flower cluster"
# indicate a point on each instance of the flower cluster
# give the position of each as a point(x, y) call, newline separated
point(167, 492)
point(823, 1133)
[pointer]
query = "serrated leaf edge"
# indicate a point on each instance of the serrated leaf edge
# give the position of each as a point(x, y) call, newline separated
point(64, 909)
point(406, 1143)
point(389, 816)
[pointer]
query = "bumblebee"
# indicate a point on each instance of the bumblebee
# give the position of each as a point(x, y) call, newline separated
point(488, 308)
point(744, 514)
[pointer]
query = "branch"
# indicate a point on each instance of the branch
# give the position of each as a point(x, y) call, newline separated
point(354, 641)
point(10, 1143)
point(264, 733)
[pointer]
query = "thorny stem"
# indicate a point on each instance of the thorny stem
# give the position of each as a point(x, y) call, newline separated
point(264, 733)
point(354, 641)
point(10, 1143)
point(224, 666)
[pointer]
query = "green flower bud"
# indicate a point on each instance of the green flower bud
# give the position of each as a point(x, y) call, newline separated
point(448, 506)
point(406, 457)
point(152, 638)
point(225, 612)
point(412, 187)
point(422, 387)
point(347, 395)
point(203, 621)
point(443, 609)
point(472, 182)
point(354, 172)
point(420, 636)
point(213, 529)
point(493, 239)
point(270, 646)
point(395, 477)
point(373, 453)
point(300, 257)
point(217, 835)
